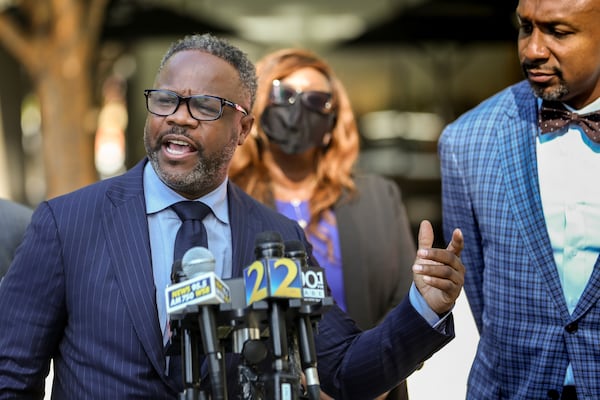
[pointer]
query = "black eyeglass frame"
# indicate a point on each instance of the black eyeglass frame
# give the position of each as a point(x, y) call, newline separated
point(187, 99)
point(328, 106)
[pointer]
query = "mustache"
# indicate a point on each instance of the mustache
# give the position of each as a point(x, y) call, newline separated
point(177, 130)
point(526, 66)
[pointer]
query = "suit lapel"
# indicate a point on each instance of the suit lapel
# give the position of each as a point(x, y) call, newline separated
point(348, 219)
point(127, 234)
point(591, 294)
point(517, 149)
point(244, 226)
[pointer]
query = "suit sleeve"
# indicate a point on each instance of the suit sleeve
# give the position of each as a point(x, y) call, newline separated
point(362, 365)
point(32, 304)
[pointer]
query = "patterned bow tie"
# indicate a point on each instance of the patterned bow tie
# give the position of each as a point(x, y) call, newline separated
point(554, 116)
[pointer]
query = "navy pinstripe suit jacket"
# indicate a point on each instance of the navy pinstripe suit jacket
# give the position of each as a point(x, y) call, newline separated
point(490, 190)
point(80, 291)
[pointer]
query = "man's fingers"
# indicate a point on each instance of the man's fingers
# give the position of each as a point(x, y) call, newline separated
point(425, 236)
point(457, 243)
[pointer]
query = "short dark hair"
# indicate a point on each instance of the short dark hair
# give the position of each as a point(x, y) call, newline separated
point(221, 48)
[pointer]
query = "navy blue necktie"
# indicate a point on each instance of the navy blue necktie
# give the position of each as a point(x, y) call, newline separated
point(192, 231)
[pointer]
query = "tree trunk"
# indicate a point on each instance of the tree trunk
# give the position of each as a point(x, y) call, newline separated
point(68, 126)
point(57, 41)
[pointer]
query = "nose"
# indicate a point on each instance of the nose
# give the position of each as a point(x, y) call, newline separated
point(534, 47)
point(182, 115)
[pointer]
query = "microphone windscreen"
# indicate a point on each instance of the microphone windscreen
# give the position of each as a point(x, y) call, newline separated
point(294, 245)
point(268, 243)
point(197, 260)
point(295, 248)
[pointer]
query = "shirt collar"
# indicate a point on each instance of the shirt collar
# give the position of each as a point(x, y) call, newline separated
point(159, 196)
point(592, 107)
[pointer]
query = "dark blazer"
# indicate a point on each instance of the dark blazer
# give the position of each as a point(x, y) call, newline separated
point(80, 290)
point(14, 218)
point(491, 192)
point(378, 251)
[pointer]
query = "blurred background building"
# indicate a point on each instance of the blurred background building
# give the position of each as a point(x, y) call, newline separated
point(410, 66)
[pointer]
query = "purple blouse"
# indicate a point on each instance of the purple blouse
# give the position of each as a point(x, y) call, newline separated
point(298, 211)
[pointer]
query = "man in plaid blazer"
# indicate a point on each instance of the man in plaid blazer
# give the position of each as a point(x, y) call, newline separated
point(529, 207)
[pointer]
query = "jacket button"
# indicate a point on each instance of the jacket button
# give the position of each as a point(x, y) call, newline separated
point(572, 327)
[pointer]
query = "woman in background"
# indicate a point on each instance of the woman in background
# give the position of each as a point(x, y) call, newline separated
point(301, 160)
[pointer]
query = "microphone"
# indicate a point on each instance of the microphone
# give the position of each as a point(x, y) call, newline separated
point(197, 284)
point(241, 322)
point(183, 334)
point(199, 294)
point(197, 260)
point(313, 285)
point(240, 326)
point(271, 276)
point(278, 280)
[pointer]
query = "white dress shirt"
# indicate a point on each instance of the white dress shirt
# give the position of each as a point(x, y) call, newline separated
point(568, 164)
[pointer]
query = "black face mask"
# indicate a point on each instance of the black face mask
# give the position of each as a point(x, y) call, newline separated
point(295, 128)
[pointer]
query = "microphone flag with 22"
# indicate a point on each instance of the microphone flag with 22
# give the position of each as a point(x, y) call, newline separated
point(272, 275)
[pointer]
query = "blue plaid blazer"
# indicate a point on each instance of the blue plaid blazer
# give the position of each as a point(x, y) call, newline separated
point(80, 290)
point(490, 190)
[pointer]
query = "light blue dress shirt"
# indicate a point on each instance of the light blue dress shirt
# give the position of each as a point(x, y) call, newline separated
point(163, 224)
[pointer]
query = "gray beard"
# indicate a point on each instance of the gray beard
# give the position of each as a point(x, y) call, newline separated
point(553, 95)
point(208, 173)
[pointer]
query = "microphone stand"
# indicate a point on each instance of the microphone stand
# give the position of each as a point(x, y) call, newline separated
point(244, 325)
point(185, 331)
point(280, 384)
point(309, 312)
point(212, 351)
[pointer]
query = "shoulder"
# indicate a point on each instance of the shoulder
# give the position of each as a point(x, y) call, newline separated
point(374, 185)
point(254, 209)
point(13, 211)
point(95, 197)
point(15, 218)
point(250, 217)
point(373, 192)
point(512, 103)
point(507, 101)
point(365, 180)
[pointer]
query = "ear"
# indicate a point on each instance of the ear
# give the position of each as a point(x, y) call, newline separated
point(247, 123)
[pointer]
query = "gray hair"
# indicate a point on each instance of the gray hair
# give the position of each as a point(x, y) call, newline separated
point(224, 50)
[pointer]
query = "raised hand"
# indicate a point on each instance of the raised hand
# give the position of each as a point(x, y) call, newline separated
point(438, 273)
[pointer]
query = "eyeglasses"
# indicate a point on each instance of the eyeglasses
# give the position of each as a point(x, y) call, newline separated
point(201, 107)
point(283, 95)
